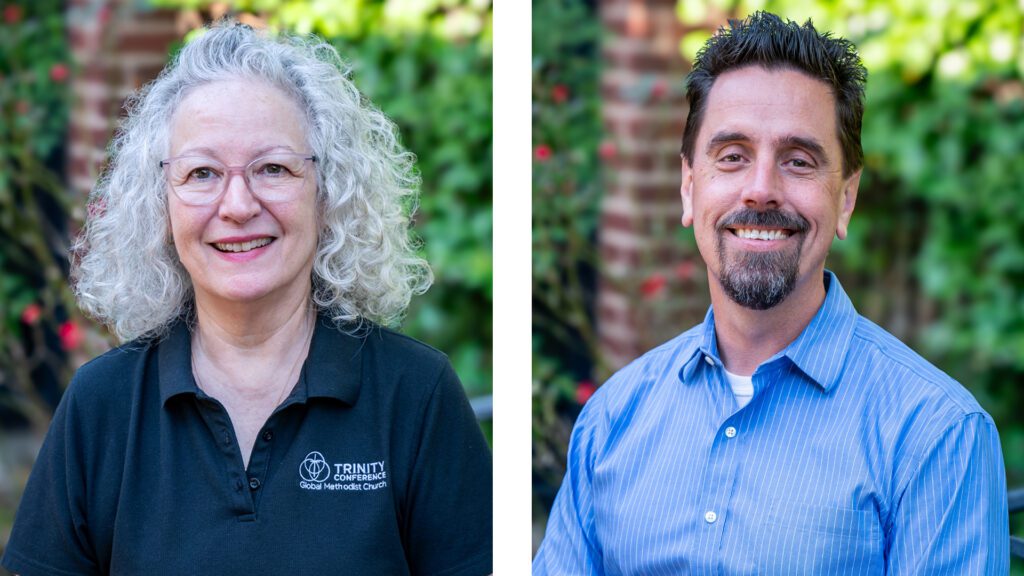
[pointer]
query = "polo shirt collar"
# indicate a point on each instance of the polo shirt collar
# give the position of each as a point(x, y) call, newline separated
point(333, 368)
point(819, 351)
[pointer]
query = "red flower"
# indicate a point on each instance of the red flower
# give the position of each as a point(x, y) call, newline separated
point(59, 72)
point(22, 107)
point(560, 93)
point(104, 14)
point(653, 286)
point(70, 334)
point(542, 153)
point(31, 313)
point(607, 150)
point(584, 390)
point(659, 89)
point(12, 14)
point(684, 270)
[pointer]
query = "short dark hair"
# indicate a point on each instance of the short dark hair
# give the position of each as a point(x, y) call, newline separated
point(763, 39)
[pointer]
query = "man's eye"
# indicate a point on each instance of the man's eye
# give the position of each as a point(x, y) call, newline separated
point(801, 164)
point(731, 158)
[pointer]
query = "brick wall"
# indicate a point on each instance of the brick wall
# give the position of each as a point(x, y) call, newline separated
point(652, 285)
point(116, 47)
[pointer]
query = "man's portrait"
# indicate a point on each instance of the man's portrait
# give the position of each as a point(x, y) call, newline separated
point(754, 395)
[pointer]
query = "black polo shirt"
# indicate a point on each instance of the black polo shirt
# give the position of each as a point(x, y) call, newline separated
point(373, 465)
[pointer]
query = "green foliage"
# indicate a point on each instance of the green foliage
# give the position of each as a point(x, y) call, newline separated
point(34, 298)
point(439, 93)
point(566, 199)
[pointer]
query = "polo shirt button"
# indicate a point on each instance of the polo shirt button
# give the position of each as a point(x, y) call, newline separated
point(709, 360)
point(227, 439)
point(254, 483)
point(710, 517)
point(268, 436)
point(730, 432)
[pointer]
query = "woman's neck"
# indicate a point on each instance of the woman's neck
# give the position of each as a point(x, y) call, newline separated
point(254, 352)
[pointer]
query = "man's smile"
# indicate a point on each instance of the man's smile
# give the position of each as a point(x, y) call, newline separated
point(761, 233)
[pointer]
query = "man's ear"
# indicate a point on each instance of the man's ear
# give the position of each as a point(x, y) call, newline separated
point(686, 192)
point(847, 200)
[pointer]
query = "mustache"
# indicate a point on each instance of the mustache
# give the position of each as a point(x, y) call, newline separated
point(765, 219)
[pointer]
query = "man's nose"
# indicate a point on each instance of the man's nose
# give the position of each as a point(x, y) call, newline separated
point(763, 187)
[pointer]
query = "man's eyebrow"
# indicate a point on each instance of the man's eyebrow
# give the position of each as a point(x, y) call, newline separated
point(725, 137)
point(791, 141)
point(809, 144)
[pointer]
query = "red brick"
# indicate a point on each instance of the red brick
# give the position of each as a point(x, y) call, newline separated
point(147, 43)
point(610, 253)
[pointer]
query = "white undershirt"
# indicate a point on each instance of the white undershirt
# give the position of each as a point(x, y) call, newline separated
point(742, 387)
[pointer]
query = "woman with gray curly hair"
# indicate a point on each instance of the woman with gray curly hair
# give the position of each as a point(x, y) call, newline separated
point(249, 242)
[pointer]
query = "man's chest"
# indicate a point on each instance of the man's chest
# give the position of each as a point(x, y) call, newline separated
point(768, 490)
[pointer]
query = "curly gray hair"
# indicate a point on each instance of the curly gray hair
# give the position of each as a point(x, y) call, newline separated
point(128, 276)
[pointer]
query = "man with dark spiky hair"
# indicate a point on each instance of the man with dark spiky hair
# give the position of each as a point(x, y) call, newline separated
point(786, 434)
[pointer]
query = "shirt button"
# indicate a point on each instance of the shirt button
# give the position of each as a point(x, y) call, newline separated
point(730, 432)
point(254, 483)
point(709, 360)
point(268, 436)
point(710, 517)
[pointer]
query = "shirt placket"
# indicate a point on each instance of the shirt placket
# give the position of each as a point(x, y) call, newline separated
point(720, 470)
point(223, 433)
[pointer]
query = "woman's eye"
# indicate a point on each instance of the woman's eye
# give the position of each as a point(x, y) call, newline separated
point(201, 174)
point(272, 170)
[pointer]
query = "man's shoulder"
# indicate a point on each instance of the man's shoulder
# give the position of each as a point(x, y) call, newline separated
point(649, 371)
point(893, 365)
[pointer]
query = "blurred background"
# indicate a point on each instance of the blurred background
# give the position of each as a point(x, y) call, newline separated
point(65, 69)
point(935, 252)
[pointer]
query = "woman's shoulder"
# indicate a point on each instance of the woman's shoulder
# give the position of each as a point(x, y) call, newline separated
point(386, 344)
point(113, 374)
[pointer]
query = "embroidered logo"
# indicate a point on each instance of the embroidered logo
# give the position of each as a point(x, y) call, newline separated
point(315, 473)
point(314, 468)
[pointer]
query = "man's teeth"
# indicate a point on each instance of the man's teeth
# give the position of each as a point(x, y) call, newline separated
point(762, 234)
point(242, 246)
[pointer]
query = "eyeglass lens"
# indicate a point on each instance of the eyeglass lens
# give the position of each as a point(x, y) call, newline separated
point(200, 180)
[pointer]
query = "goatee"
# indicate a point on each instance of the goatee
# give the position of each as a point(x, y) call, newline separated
point(760, 280)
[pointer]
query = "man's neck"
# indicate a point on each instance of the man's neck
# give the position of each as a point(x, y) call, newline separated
point(746, 337)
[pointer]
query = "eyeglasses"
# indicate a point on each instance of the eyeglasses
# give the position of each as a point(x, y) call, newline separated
point(200, 180)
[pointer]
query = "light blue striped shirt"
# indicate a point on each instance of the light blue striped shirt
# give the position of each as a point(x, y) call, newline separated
point(855, 456)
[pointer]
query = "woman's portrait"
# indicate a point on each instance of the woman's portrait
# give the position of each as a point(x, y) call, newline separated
point(251, 246)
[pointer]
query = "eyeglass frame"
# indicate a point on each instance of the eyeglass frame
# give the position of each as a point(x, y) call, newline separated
point(228, 172)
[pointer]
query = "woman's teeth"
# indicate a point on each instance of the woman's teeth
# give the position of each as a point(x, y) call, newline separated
point(242, 246)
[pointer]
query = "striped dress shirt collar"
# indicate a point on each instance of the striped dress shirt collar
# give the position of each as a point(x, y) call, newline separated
point(819, 351)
